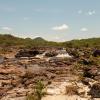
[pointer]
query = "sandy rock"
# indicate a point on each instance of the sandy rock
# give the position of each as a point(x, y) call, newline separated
point(63, 97)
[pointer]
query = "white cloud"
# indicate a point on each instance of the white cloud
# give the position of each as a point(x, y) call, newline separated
point(92, 12)
point(56, 37)
point(7, 28)
point(84, 29)
point(61, 28)
point(89, 12)
point(80, 12)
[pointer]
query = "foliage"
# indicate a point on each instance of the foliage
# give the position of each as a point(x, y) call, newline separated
point(38, 92)
point(9, 40)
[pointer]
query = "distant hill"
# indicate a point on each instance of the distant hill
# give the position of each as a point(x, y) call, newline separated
point(90, 42)
point(39, 39)
point(9, 40)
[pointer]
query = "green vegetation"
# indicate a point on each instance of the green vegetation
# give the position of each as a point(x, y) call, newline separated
point(38, 92)
point(91, 42)
point(9, 40)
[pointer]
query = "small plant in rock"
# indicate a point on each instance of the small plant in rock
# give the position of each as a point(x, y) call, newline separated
point(30, 97)
point(29, 74)
point(75, 54)
point(77, 66)
point(71, 90)
point(38, 92)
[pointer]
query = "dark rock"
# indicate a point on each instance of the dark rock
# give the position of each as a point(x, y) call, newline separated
point(96, 53)
point(51, 54)
point(86, 73)
point(95, 90)
point(90, 72)
point(27, 53)
point(85, 81)
point(86, 62)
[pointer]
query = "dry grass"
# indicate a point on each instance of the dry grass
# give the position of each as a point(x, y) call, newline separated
point(38, 92)
point(71, 90)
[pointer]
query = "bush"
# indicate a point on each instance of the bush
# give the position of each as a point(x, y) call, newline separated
point(38, 92)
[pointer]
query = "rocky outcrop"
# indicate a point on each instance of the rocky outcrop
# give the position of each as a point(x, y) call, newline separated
point(51, 54)
point(27, 53)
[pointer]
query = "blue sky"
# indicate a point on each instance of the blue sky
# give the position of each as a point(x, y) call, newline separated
point(56, 20)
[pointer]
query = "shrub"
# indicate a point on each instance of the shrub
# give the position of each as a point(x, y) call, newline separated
point(38, 92)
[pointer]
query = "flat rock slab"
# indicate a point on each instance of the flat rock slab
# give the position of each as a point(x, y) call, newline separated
point(63, 97)
point(16, 98)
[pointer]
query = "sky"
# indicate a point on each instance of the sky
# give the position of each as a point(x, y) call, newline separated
point(53, 20)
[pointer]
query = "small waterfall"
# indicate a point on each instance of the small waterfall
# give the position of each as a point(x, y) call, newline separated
point(41, 55)
point(66, 55)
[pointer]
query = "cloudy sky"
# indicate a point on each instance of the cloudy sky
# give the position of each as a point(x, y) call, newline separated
point(56, 20)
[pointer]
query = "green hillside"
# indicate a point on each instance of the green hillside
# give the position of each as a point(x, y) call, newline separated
point(9, 40)
point(91, 42)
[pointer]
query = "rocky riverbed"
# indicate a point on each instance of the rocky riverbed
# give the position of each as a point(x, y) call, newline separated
point(65, 77)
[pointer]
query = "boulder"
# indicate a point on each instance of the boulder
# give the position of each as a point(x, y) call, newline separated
point(96, 53)
point(26, 53)
point(51, 54)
